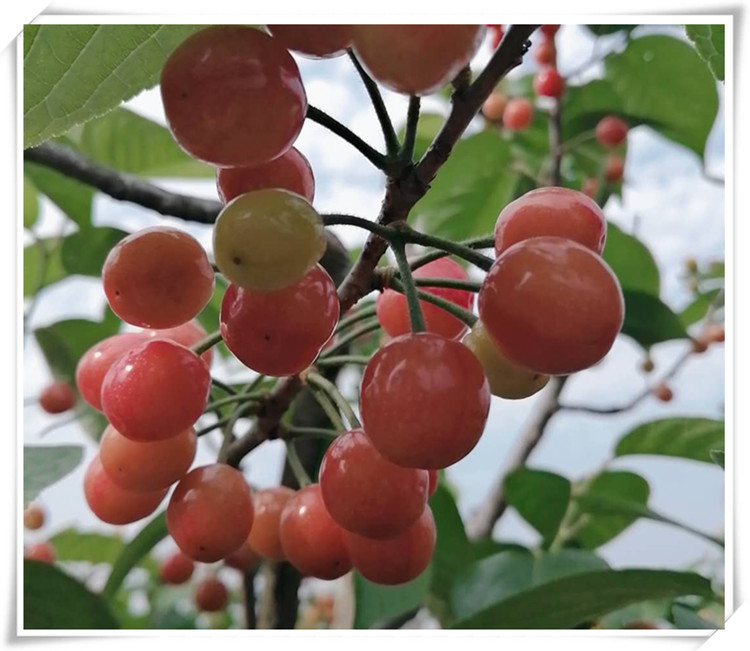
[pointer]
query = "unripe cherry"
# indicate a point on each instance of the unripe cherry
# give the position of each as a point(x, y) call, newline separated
point(280, 332)
point(211, 595)
point(264, 538)
point(177, 569)
point(614, 168)
point(518, 114)
point(155, 391)
point(393, 312)
point(57, 398)
point(210, 513)
point(146, 466)
point(311, 540)
point(158, 277)
point(113, 504)
point(42, 552)
point(314, 41)
point(396, 560)
point(494, 106)
point(367, 494)
point(551, 211)
point(33, 517)
point(506, 380)
point(551, 305)
point(243, 558)
point(549, 83)
point(611, 131)
point(424, 401)
point(188, 334)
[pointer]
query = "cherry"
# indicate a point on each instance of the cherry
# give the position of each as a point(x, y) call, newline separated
point(663, 393)
point(42, 552)
point(424, 401)
point(545, 53)
point(714, 333)
point(268, 239)
point(551, 305)
point(614, 168)
point(155, 391)
point(57, 398)
point(551, 211)
point(647, 365)
point(393, 312)
point(243, 558)
point(518, 114)
point(699, 345)
point(210, 513)
point(113, 504)
point(280, 332)
point(177, 569)
point(396, 560)
point(506, 380)
point(157, 278)
point(434, 480)
point(33, 517)
point(96, 361)
point(494, 107)
point(611, 131)
point(367, 494)
point(211, 595)
point(497, 34)
point(590, 187)
point(264, 538)
point(315, 41)
point(311, 539)
point(233, 96)
point(290, 171)
point(146, 466)
point(549, 30)
point(549, 83)
point(416, 59)
point(188, 334)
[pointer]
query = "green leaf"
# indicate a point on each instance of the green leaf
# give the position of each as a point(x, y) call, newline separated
point(709, 43)
point(698, 309)
point(614, 485)
point(84, 252)
point(427, 128)
point(470, 189)
point(71, 196)
point(376, 604)
point(687, 619)
point(688, 438)
point(631, 261)
point(73, 73)
point(54, 600)
point(572, 600)
point(601, 30)
point(44, 465)
point(42, 265)
point(565, 562)
point(130, 143)
point(541, 498)
point(717, 456)
point(73, 545)
point(30, 203)
point(649, 321)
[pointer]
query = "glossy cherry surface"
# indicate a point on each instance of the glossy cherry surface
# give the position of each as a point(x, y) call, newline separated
point(177, 569)
point(243, 558)
point(549, 83)
point(518, 114)
point(424, 401)
point(188, 334)
point(611, 131)
point(57, 398)
point(265, 538)
point(233, 96)
point(315, 41)
point(366, 493)
point(551, 305)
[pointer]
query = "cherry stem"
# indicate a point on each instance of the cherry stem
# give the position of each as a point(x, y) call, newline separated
point(333, 125)
point(406, 154)
point(464, 252)
point(340, 360)
point(463, 315)
point(409, 288)
point(295, 432)
point(364, 329)
point(483, 242)
point(327, 405)
point(579, 139)
point(303, 479)
point(355, 317)
point(224, 387)
point(336, 219)
point(332, 391)
point(450, 283)
point(237, 397)
point(389, 133)
point(207, 343)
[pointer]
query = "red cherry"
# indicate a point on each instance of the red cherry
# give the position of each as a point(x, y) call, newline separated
point(243, 558)
point(57, 398)
point(211, 595)
point(614, 168)
point(315, 41)
point(280, 332)
point(424, 401)
point(96, 361)
point(188, 334)
point(434, 480)
point(545, 53)
point(367, 494)
point(177, 569)
point(33, 517)
point(549, 30)
point(518, 114)
point(393, 312)
point(396, 560)
point(210, 513)
point(551, 305)
point(146, 466)
point(42, 552)
point(663, 393)
point(157, 278)
point(549, 83)
point(551, 211)
point(290, 171)
point(155, 391)
point(113, 504)
point(590, 187)
point(494, 107)
point(311, 539)
point(611, 131)
point(233, 96)
point(264, 538)
point(496, 34)
point(714, 333)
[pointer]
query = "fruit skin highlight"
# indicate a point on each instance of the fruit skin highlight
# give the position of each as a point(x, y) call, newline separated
point(314, 41)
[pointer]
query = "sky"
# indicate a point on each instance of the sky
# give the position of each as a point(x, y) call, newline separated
point(679, 214)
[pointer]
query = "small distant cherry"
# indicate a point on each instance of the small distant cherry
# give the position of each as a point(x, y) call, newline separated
point(42, 552)
point(33, 517)
point(57, 398)
point(614, 168)
point(243, 558)
point(211, 595)
point(590, 187)
point(549, 30)
point(549, 83)
point(663, 393)
point(545, 53)
point(494, 107)
point(518, 114)
point(611, 131)
point(177, 569)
